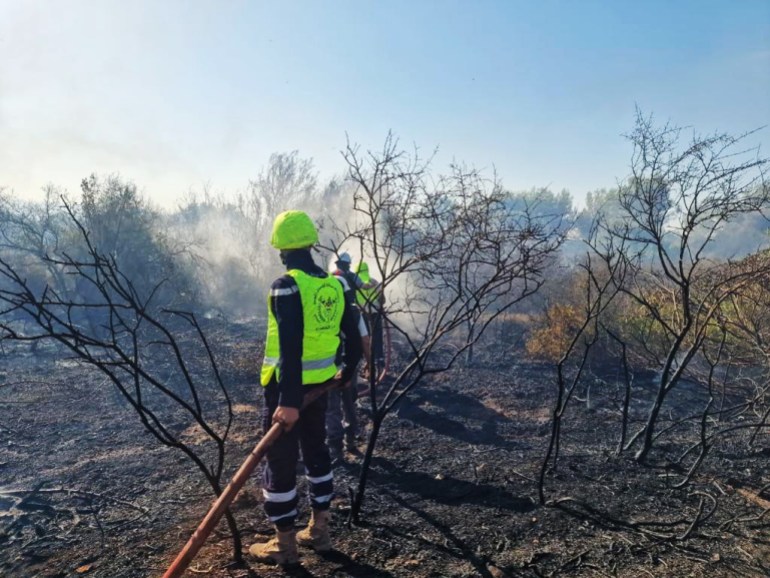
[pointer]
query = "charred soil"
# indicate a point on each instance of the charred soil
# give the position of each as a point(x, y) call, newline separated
point(85, 491)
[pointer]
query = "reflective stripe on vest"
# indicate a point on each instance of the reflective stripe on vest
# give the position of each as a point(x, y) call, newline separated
point(323, 303)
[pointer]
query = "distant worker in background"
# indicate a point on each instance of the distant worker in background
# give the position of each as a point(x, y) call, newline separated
point(355, 281)
point(341, 419)
point(371, 299)
point(357, 284)
point(308, 320)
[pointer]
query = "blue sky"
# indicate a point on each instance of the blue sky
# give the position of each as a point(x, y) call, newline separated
point(174, 94)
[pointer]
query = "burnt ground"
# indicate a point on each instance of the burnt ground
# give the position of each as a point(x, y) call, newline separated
point(85, 491)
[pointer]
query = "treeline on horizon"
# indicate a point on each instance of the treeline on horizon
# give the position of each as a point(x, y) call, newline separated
point(211, 254)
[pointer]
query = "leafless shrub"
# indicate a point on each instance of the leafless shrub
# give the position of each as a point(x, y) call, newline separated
point(453, 253)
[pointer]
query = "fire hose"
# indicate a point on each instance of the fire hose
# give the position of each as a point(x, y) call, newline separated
point(218, 508)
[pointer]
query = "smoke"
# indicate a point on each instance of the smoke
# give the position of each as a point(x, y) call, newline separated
point(227, 239)
point(221, 249)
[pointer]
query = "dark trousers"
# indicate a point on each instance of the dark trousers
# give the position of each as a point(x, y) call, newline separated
point(375, 324)
point(341, 418)
point(280, 479)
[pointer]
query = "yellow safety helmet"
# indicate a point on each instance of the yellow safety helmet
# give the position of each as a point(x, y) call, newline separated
point(293, 230)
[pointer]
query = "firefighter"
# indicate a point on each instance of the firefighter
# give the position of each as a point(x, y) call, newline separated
point(356, 282)
point(341, 418)
point(307, 318)
point(371, 300)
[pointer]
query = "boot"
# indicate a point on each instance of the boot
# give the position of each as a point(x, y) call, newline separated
point(316, 535)
point(281, 549)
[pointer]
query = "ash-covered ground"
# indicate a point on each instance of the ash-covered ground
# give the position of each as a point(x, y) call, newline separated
point(86, 491)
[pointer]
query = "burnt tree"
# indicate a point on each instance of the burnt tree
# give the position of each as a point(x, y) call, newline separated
point(133, 341)
point(453, 254)
point(679, 196)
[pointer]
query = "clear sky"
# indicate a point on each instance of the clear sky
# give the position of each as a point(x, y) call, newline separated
point(172, 94)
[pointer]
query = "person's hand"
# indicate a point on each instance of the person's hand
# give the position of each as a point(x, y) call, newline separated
point(288, 416)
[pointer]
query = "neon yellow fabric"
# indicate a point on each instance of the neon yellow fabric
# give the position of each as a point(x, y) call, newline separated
point(293, 230)
point(366, 297)
point(363, 271)
point(322, 306)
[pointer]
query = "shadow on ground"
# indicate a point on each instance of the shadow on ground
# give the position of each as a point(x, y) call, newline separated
point(447, 490)
point(345, 566)
point(449, 412)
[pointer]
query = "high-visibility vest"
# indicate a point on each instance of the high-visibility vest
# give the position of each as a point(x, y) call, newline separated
point(323, 303)
point(368, 298)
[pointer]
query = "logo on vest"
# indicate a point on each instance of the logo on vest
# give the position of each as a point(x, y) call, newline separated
point(325, 304)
